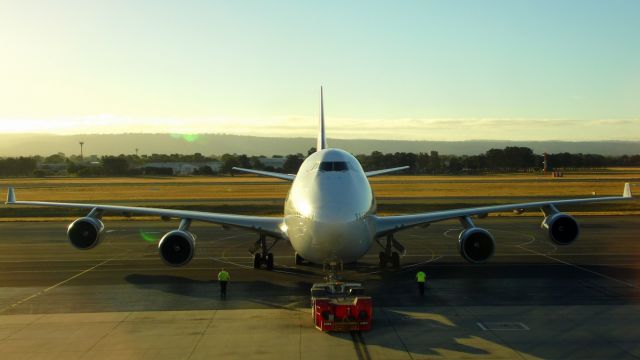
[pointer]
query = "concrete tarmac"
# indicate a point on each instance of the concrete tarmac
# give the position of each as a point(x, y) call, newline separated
point(532, 300)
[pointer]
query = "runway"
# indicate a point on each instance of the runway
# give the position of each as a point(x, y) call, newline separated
point(533, 299)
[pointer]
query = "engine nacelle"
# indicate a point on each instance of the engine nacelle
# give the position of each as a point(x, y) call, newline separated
point(85, 233)
point(476, 245)
point(562, 228)
point(177, 247)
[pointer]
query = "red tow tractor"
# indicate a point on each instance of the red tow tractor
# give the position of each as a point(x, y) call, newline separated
point(341, 306)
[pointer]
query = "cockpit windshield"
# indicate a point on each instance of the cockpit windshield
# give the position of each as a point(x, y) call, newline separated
point(333, 166)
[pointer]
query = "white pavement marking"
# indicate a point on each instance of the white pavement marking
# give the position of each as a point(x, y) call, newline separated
point(55, 286)
point(250, 267)
point(230, 262)
point(408, 267)
point(555, 248)
point(579, 267)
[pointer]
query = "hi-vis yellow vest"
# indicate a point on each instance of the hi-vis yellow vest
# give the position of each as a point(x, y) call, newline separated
point(223, 276)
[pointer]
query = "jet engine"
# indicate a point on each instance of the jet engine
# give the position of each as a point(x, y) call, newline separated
point(85, 233)
point(562, 228)
point(476, 245)
point(177, 247)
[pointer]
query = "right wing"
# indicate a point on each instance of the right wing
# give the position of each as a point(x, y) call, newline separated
point(282, 176)
point(271, 226)
point(389, 224)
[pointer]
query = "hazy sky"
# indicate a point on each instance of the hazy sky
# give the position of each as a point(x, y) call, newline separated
point(435, 70)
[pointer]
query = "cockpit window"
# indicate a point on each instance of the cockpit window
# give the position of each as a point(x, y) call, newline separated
point(340, 166)
point(333, 166)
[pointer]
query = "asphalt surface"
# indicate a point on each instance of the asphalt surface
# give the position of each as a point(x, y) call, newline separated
point(577, 301)
point(124, 272)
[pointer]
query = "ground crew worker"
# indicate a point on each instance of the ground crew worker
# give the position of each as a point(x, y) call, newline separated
point(421, 277)
point(223, 279)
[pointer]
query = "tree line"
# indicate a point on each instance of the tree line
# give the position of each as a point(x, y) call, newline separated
point(509, 159)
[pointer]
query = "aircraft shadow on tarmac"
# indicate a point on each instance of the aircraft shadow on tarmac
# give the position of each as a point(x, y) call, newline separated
point(262, 293)
point(447, 285)
point(508, 284)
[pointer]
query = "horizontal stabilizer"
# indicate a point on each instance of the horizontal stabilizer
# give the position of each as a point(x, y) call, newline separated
point(282, 176)
point(385, 171)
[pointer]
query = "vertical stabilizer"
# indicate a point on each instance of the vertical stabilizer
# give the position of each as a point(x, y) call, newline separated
point(322, 141)
point(11, 196)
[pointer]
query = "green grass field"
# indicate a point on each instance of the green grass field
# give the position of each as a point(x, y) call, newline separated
point(258, 195)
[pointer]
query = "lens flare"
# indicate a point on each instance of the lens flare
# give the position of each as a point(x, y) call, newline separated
point(186, 137)
point(149, 236)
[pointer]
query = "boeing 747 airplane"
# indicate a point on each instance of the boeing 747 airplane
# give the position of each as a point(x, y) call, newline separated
point(329, 217)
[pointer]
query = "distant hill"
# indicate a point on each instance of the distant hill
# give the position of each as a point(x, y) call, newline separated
point(217, 144)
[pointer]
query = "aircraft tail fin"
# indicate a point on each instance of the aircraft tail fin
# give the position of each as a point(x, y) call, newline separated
point(322, 140)
point(11, 196)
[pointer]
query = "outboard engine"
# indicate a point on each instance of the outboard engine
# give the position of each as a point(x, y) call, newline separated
point(177, 247)
point(476, 245)
point(562, 228)
point(85, 233)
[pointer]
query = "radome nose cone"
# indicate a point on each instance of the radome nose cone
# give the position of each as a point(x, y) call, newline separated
point(334, 212)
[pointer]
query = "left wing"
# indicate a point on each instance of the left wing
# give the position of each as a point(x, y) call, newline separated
point(389, 224)
point(271, 226)
point(384, 171)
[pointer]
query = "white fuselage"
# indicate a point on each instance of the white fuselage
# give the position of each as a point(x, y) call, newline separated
point(327, 211)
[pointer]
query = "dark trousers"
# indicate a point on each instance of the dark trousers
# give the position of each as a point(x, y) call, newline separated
point(421, 288)
point(223, 289)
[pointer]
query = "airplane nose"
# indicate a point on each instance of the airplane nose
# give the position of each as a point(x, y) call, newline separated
point(334, 213)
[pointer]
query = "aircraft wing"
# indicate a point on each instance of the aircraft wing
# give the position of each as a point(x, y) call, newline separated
point(384, 171)
point(389, 224)
point(261, 224)
point(282, 176)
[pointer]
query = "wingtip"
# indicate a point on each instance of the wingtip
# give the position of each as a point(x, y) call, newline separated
point(11, 196)
point(627, 191)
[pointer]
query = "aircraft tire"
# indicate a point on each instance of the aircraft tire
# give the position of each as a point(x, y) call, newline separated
point(269, 261)
point(383, 259)
point(299, 259)
point(395, 260)
point(257, 261)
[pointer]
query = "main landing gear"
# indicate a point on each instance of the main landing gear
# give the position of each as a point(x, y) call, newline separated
point(261, 253)
point(389, 256)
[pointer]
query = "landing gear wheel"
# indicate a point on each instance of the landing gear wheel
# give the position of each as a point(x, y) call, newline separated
point(299, 259)
point(395, 260)
point(269, 261)
point(257, 261)
point(383, 259)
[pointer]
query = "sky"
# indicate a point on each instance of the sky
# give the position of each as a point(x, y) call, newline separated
point(416, 70)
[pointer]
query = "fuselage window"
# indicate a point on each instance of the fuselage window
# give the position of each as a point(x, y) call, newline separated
point(333, 166)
